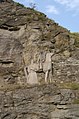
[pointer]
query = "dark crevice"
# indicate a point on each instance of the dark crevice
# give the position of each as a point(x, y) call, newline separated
point(5, 115)
point(14, 29)
point(57, 34)
point(4, 27)
point(6, 62)
point(10, 28)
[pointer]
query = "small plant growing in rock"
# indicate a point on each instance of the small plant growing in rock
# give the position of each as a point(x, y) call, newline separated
point(18, 4)
point(32, 5)
point(76, 37)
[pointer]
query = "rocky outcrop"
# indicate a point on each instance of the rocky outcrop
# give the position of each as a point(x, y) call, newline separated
point(24, 35)
point(36, 55)
point(43, 102)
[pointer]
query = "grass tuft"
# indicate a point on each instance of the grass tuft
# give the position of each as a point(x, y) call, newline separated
point(76, 37)
point(72, 86)
point(76, 101)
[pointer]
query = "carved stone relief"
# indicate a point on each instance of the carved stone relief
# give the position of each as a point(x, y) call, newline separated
point(43, 65)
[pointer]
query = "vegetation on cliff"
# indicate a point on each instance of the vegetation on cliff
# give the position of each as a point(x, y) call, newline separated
point(75, 35)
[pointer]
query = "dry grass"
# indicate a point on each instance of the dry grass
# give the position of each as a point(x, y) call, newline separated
point(76, 37)
point(11, 87)
point(64, 85)
point(76, 101)
point(72, 86)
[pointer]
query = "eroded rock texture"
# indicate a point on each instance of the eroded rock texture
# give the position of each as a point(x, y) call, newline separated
point(43, 102)
point(24, 34)
point(27, 38)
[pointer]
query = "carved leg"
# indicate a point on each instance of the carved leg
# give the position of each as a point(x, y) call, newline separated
point(25, 71)
point(50, 76)
point(41, 67)
point(46, 76)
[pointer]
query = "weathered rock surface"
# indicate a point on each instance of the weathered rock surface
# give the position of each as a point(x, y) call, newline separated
point(39, 102)
point(29, 36)
point(24, 34)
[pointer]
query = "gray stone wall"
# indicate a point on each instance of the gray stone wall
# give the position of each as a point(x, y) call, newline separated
point(66, 71)
point(39, 102)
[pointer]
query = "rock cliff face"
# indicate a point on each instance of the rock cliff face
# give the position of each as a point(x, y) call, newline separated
point(36, 50)
point(39, 102)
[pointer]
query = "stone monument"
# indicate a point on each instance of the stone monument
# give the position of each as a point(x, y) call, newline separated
point(47, 68)
point(30, 73)
point(44, 64)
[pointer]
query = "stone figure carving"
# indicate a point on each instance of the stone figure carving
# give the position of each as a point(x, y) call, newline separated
point(41, 60)
point(44, 64)
point(47, 67)
point(26, 72)
point(30, 73)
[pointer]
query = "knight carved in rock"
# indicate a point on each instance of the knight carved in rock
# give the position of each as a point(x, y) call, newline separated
point(43, 64)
